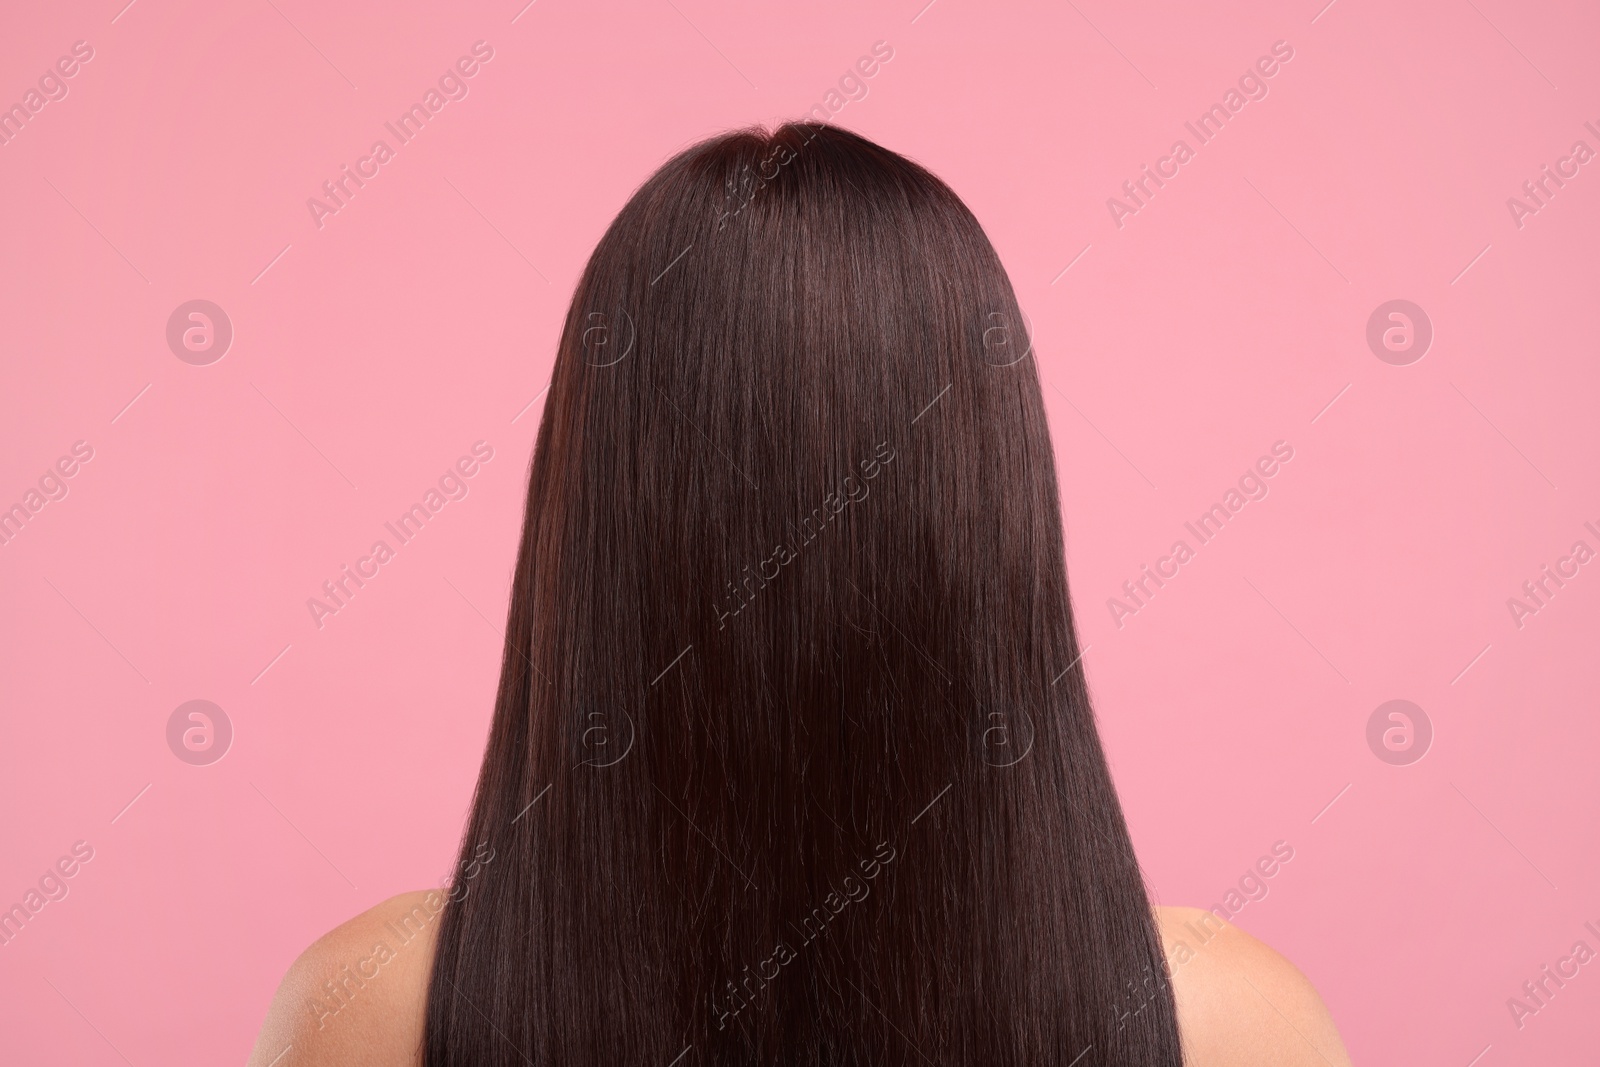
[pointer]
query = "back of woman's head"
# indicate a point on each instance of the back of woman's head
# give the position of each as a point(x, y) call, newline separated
point(792, 759)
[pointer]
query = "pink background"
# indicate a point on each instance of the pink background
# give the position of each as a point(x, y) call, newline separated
point(370, 353)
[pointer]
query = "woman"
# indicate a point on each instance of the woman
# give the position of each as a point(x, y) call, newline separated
point(792, 760)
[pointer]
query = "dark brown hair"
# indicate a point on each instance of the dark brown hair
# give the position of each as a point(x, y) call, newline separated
point(792, 759)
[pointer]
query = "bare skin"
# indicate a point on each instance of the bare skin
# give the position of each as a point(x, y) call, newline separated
point(1240, 1004)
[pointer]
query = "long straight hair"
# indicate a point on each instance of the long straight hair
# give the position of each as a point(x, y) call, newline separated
point(792, 759)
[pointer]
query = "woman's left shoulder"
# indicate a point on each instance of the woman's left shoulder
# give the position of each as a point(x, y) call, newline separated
point(357, 995)
point(1240, 1002)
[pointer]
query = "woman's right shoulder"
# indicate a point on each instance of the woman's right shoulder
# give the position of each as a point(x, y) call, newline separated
point(1240, 1003)
point(358, 995)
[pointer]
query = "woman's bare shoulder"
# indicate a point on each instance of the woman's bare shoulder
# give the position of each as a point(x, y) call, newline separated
point(1240, 1003)
point(358, 994)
